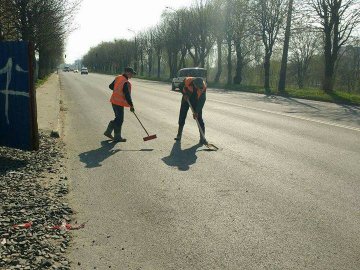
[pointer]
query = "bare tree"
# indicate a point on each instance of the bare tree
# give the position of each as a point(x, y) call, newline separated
point(349, 67)
point(269, 17)
point(337, 20)
point(229, 35)
point(201, 37)
point(218, 31)
point(243, 38)
point(304, 47)
point(158, 46)
point(172, 40)
point(44, 22)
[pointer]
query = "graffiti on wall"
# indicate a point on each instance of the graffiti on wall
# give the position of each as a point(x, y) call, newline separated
point(8, 69)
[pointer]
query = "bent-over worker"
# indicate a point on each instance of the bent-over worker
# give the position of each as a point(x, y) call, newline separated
point(194, 90)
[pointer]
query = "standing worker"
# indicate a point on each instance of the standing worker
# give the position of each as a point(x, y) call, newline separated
point(194, 90)
point(120, 98)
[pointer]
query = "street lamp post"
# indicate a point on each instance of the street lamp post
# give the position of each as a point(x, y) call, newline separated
point(136, 53)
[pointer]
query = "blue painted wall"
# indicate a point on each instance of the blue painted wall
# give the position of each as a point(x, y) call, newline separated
point(18, 127)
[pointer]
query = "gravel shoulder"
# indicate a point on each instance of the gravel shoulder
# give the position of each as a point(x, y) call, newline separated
point(33, 189)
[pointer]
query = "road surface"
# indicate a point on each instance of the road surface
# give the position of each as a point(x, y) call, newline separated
point(281, 193)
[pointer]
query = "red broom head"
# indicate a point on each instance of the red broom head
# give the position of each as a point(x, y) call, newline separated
point(151, 137)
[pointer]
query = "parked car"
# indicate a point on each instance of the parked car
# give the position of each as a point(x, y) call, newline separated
point(187, 72)
point(84, 70)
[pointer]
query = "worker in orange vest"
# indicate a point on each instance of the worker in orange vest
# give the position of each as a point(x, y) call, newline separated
point(194, 90)
point(120, 98)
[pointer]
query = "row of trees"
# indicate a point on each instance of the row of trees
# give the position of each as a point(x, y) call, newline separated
point(272, 42)
point(44, 22)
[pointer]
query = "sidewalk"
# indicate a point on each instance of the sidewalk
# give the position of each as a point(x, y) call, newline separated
point(48, 105)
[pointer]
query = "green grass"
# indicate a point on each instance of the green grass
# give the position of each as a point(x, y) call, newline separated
point(339, 97)
point(40, 82)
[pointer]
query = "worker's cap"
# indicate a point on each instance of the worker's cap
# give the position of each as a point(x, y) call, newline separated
point(198, 83)
point(130, 70)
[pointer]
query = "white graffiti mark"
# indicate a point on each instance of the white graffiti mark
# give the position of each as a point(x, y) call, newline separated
point(8, 70)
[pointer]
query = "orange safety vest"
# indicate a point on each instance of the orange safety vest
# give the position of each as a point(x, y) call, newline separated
point(189, 87)
point(118, 96)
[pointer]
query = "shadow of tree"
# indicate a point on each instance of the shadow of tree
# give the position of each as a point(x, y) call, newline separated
point(10, 164)
point(182, 159)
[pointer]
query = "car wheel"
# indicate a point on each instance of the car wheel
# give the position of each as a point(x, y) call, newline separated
point(173, 87)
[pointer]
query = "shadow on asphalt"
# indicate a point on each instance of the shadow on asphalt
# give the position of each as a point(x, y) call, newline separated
point(94, 158)
point(182, 159)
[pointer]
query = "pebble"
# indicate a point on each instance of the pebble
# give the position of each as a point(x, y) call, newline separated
point(27, 193)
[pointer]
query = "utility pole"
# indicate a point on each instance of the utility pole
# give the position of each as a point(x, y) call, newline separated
point(136, 50)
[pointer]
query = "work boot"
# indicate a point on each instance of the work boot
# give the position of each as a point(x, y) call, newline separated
point(117, 135)
point(179, 134)
point(109, 130)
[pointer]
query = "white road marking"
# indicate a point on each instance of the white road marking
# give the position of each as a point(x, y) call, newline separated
point(290, 116)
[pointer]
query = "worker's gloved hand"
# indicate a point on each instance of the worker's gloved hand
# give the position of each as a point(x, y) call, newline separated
point(132, 109)
point(195, 115)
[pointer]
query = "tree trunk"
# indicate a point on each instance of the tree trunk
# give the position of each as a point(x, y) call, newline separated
point(158, 65)
point(329, 63)
point(229, 64)
point(172, 64)
point(267, 72)
point(150, 63)
point(328, 84)
point(239, 63)
point(300, 76)
point(219, 60)
point(182, 59)
point(282, 80)
point(142, 64)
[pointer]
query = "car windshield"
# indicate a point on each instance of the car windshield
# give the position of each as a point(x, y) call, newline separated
point(192, 73)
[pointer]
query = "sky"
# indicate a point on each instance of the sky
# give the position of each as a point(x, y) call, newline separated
point(106, 20)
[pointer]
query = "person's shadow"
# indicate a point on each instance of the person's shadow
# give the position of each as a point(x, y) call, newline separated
point(93, 158)
point(182, 159)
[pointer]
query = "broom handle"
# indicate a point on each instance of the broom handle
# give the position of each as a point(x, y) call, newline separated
point(141, 124)
point(197, 121)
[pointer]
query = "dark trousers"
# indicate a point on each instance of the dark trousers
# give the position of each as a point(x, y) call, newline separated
point(119, 115)
point(183, 113)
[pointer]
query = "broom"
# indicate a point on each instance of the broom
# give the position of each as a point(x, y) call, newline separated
point(149, 137)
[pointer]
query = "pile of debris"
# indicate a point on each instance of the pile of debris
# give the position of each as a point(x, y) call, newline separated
point(34, 215)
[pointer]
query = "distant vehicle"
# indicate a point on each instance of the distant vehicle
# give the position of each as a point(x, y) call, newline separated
point(187, 72)
point(66, 69)
point(84, 70)
point(76, 71)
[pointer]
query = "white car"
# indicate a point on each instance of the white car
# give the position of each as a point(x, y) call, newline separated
point(187, 72)
point(84, 70)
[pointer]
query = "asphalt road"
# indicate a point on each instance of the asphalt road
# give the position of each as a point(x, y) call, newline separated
point(283, 191)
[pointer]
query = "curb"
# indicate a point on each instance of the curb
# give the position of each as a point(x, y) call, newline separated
point(48, 106)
